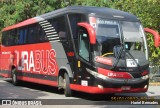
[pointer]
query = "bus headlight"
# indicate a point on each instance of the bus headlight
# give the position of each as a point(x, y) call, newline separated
point(100, 86)
point(145, 86)
point(145, 77)
point(97, 74)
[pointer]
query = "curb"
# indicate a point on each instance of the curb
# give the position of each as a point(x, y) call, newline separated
point(154, 84)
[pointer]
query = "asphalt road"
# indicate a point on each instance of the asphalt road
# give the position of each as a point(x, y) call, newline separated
point(79, 100)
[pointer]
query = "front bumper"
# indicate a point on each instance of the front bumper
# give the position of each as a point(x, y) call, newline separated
point(97, 90)
point(114, 85)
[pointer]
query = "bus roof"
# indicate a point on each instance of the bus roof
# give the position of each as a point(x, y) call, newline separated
point(97, 11)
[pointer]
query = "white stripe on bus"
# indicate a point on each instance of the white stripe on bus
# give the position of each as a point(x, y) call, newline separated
point(52, 35)
point(43, 21)
point(51, 31)
point(55, 41)
point(49, 28)
point(53, 38)
point(45, 24)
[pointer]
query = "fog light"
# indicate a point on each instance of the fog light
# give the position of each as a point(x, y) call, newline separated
point(145, 77)
point(145, 86)
point(100, 86)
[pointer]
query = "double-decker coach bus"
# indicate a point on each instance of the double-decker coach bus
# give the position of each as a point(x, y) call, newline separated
point(89, 49)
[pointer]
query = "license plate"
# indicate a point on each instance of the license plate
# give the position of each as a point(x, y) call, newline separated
point(131, 62)
point(125, 87)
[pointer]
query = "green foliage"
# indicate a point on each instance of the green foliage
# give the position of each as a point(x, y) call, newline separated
point(14, 11)
point(148, 11)
point(98, 3)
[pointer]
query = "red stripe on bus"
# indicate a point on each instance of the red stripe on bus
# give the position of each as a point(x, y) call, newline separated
point(21, 24)
point(4, 75)
point(38, 81)
point(113, 74)
point(96, 90)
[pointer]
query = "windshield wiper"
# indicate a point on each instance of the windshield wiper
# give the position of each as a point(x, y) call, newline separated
point(118, 50)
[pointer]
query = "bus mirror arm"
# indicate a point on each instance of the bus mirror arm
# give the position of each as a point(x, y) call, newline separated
point(90, 30)
point(156, 36)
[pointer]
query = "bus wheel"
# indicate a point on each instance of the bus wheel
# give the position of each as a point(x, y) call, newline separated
point(14, 77)
point(67, 90)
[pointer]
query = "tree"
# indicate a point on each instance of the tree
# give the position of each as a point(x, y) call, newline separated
point(14, 11)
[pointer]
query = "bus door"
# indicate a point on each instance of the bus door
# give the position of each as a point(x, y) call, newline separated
point(84, 57)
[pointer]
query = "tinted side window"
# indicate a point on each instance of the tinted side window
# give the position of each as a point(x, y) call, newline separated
point(10, 38)
point(42, 35)
point(22, 35)
point(32, 32)
point(59, 25)
point(25, 35)
point(74, 19)
point(4, 39)
point(36, 34)
point(13, 37)
point(7, 39)
point(83, 44)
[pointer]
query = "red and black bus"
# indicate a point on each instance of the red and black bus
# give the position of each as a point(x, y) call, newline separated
point(89, 49)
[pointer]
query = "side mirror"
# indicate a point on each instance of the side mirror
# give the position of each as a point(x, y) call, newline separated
point(156, 36)
point(90, 30)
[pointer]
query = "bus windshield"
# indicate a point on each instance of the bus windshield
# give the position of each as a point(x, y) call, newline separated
point(110, 33)
point(133, 35)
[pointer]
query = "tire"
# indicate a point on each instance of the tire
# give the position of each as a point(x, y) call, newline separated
point(67, 90)
point(14, 77)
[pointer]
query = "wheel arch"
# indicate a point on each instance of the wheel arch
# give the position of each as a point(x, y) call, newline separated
point(62, 70)
point(61, 73)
